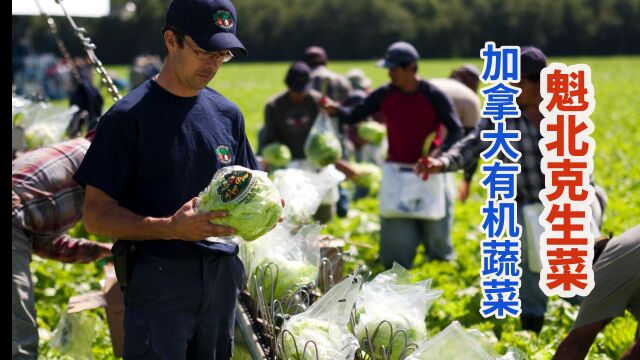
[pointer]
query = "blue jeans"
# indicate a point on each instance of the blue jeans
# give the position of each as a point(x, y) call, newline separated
point(399, 238)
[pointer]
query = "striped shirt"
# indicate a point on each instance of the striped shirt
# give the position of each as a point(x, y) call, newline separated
point(530, 180)
point(46, 202)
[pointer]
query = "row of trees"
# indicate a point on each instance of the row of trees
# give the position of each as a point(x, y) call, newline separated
point(359, 29)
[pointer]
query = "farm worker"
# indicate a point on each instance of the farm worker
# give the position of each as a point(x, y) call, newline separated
point(360, 88)
point(413, 110)
point(363, 151)
point(155, 150)
point(289, 116)
point(461, 87)
point(88, 99)
point(530, 180)
point(336, 86)
point(46, 202)
point(617, 287)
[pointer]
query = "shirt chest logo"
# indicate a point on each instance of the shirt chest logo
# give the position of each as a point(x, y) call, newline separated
point(224, 154)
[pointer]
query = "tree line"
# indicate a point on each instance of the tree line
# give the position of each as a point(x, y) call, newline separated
point(362, 29)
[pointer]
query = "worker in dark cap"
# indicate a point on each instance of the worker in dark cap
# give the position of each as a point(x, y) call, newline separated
point(154, 152)
point(288, 119)
point(329, 83)
point(530, 180)
point(335, 87)
point(413, 211)
point(467, 74)
point(289, 116)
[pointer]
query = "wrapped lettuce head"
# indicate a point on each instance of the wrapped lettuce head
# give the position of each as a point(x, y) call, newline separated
point(39, 135)
point(277, 155)
point(302, 333)
point(289, 273)
point(372, 132)
point(369, 175)
point(251, 200)
point(392, 330)
point(323, 148)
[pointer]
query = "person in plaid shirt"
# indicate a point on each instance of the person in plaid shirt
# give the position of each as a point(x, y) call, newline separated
point(46, 202)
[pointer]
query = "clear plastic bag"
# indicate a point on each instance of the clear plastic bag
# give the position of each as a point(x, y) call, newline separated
point(321, 333)
point(44, 124)
point(454, 342)
point(280, 261)
point(74, 335)
point(251, 200)
point(390, 313)
point(322, 146)
point(304, 189)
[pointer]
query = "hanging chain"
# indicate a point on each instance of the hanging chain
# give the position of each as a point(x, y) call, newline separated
point(60, 44)
point(89, 47)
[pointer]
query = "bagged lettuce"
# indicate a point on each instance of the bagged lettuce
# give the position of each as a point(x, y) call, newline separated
point(74, 335)
point(454, 342)
point(286, 274)
point(321, 331)
point(372, 132)
point(277, 155)
point(323, 149)
point(43, 123)
point(304, 189)
point(322, 146)
point(251, 200)
point(281, 260)
point(391, 311)
point(369, 175)
point(39, 135)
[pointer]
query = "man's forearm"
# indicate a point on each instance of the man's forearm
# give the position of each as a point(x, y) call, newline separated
point(463, 153)
point(70, 250)
point(116, 222)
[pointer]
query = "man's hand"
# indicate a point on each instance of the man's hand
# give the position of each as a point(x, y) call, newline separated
point(463, 191)
point(329, 105)
point(344, 167)
point(105, 250)
point(430, 166)
point(189, 224)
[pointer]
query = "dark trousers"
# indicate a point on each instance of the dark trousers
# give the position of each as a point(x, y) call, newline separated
point(182, 307)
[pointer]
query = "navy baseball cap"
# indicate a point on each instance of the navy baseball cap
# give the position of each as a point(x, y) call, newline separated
point(299, 76)
point(210, 23)
point(399, 53)
point(532, 61)
point(315, 55)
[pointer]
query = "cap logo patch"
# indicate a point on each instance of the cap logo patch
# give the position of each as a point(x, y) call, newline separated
point(223, 19)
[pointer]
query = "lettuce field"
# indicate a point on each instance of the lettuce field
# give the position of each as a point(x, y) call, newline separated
point(617, 170)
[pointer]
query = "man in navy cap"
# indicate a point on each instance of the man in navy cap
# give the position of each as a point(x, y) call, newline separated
point(530, 180)
point(332, 84)
point(413, 109)
point(289, 116)
point(154, 151)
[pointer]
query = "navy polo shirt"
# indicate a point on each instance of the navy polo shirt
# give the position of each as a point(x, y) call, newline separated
point(154, 151)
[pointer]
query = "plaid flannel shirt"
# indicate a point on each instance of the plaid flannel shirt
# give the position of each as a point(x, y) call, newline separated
point(46, 202)
point(530, 180)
